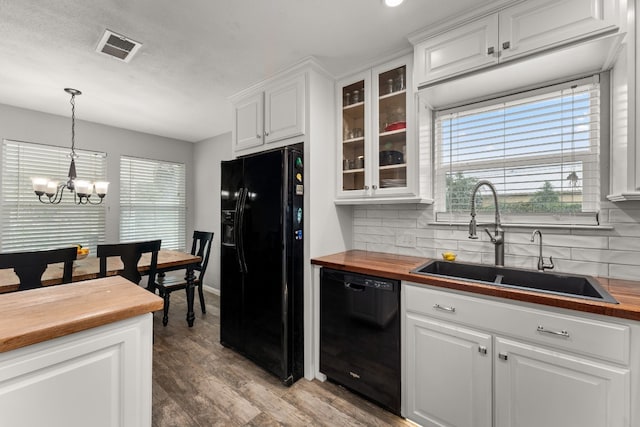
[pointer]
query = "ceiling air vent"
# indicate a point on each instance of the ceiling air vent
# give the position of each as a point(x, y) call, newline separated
point(117, 46)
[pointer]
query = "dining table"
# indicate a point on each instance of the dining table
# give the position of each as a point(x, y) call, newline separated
point(89, 268)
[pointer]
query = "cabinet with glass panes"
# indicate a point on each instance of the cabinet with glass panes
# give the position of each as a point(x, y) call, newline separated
point(375, 133)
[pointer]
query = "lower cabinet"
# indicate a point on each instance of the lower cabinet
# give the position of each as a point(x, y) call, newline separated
point(535, 386)
point(451, 369)
point(98, 377)
point(470, 361)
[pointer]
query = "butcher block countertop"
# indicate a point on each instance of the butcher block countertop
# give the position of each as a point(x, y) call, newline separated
point(37, 315)
point(390, 266)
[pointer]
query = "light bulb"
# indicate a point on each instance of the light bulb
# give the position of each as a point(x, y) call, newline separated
point(393, 3)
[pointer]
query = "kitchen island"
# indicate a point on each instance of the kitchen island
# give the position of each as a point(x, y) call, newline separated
point(77, 354)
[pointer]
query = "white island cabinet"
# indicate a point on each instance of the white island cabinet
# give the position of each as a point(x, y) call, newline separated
point(77, 355)
point(480, 361)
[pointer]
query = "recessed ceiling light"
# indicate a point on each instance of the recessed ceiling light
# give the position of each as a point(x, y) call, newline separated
point(393, 3)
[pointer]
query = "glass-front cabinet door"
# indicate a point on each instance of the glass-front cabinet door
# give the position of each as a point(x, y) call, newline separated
point(355, 134)
point(375, 122)
point(390, 127)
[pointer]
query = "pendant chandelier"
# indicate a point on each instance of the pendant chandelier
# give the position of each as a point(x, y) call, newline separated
point(82, 190)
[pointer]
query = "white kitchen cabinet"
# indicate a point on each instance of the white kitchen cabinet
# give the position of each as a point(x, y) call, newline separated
point(548, 367)
point(377, 153)
point(457, 51)
point(270, 114)
point(249, 122)
point(519, 30)
point(451, 369)
point(97, 377)
point(537, 386)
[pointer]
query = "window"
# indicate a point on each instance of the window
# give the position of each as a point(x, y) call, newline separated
point(152, 201)
point(540, 149)
point(28, 224)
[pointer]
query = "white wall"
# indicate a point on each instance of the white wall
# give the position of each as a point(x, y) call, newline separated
point(32, 126)
point(206, 160)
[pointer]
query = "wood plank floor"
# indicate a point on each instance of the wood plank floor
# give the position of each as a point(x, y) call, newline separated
point(198, 382)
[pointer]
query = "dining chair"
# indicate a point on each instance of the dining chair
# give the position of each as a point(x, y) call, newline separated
point(173, 281)
point(30, 266)
point(130, 254)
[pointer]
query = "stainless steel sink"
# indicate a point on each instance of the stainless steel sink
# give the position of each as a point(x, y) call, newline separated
point(572, 285)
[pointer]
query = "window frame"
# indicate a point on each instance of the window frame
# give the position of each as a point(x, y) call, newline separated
point(591, 202)
point(157, 202)
point(28, 224)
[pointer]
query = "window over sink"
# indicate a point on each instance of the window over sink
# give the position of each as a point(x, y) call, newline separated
point(540, 148)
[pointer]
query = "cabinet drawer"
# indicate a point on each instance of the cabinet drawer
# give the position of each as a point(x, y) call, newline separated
point(590, 337)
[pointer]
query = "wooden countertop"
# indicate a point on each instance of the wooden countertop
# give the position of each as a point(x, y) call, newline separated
point(33, 316)
point(390, 266)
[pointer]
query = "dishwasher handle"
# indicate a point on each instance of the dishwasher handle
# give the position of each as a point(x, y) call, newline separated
point(353, 287)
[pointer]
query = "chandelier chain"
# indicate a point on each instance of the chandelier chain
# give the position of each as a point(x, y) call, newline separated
point(73, 125)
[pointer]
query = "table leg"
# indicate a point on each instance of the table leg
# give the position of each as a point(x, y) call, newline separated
point(190, 278)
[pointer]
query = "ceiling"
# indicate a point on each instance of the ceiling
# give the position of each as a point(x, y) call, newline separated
point(194, 54)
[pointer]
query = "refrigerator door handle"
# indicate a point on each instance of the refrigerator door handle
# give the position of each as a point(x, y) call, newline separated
point(240, 242)
point(236, 227)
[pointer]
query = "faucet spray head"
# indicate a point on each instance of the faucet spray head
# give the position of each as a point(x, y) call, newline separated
point(472, 228)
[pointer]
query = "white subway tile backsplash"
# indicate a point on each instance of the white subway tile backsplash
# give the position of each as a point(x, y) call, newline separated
point(533, 250)
point(626, 272)
point(399, 223)
point(406, 240)
point(605, 256)
point(580, 267)
point(378, 213)
point(624, 216)
point(627, 229)
point(446, 244)
point(378, 247)
point(570, 240)
point(625, 244)
point(410, 230)
point(377, 222)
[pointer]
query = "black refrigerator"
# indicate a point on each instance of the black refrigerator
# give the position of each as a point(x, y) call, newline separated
point(261, 288)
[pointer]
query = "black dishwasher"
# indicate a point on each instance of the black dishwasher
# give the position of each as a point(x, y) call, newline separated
point(360, 335)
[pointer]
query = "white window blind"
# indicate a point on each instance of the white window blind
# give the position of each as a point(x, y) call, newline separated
point(152, 201)
point(540, 149)
point(28, 224)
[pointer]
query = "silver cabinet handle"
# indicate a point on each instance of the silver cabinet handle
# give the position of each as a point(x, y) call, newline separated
point(366, 187)
point(258, 136)
point(266, 133)
point(503, 356)
point(490, 50)
point(444, 308)
point(375, 187)
point(482, 349)
point(564, 334)
point(506, 45)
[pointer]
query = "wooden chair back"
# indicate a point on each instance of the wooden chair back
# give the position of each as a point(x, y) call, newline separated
point(201, 247)
point(30, 266)
point(130, 254)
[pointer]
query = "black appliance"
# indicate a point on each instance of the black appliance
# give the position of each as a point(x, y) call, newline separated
point(261, 288)
point(360, 335)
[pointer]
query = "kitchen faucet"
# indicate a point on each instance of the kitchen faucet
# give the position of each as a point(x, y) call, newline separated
point(498, 237)
point(541, 264)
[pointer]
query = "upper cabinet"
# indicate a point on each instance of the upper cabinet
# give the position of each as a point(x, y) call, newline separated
point(522, 29)
point(376, 142)
point(269, 114)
